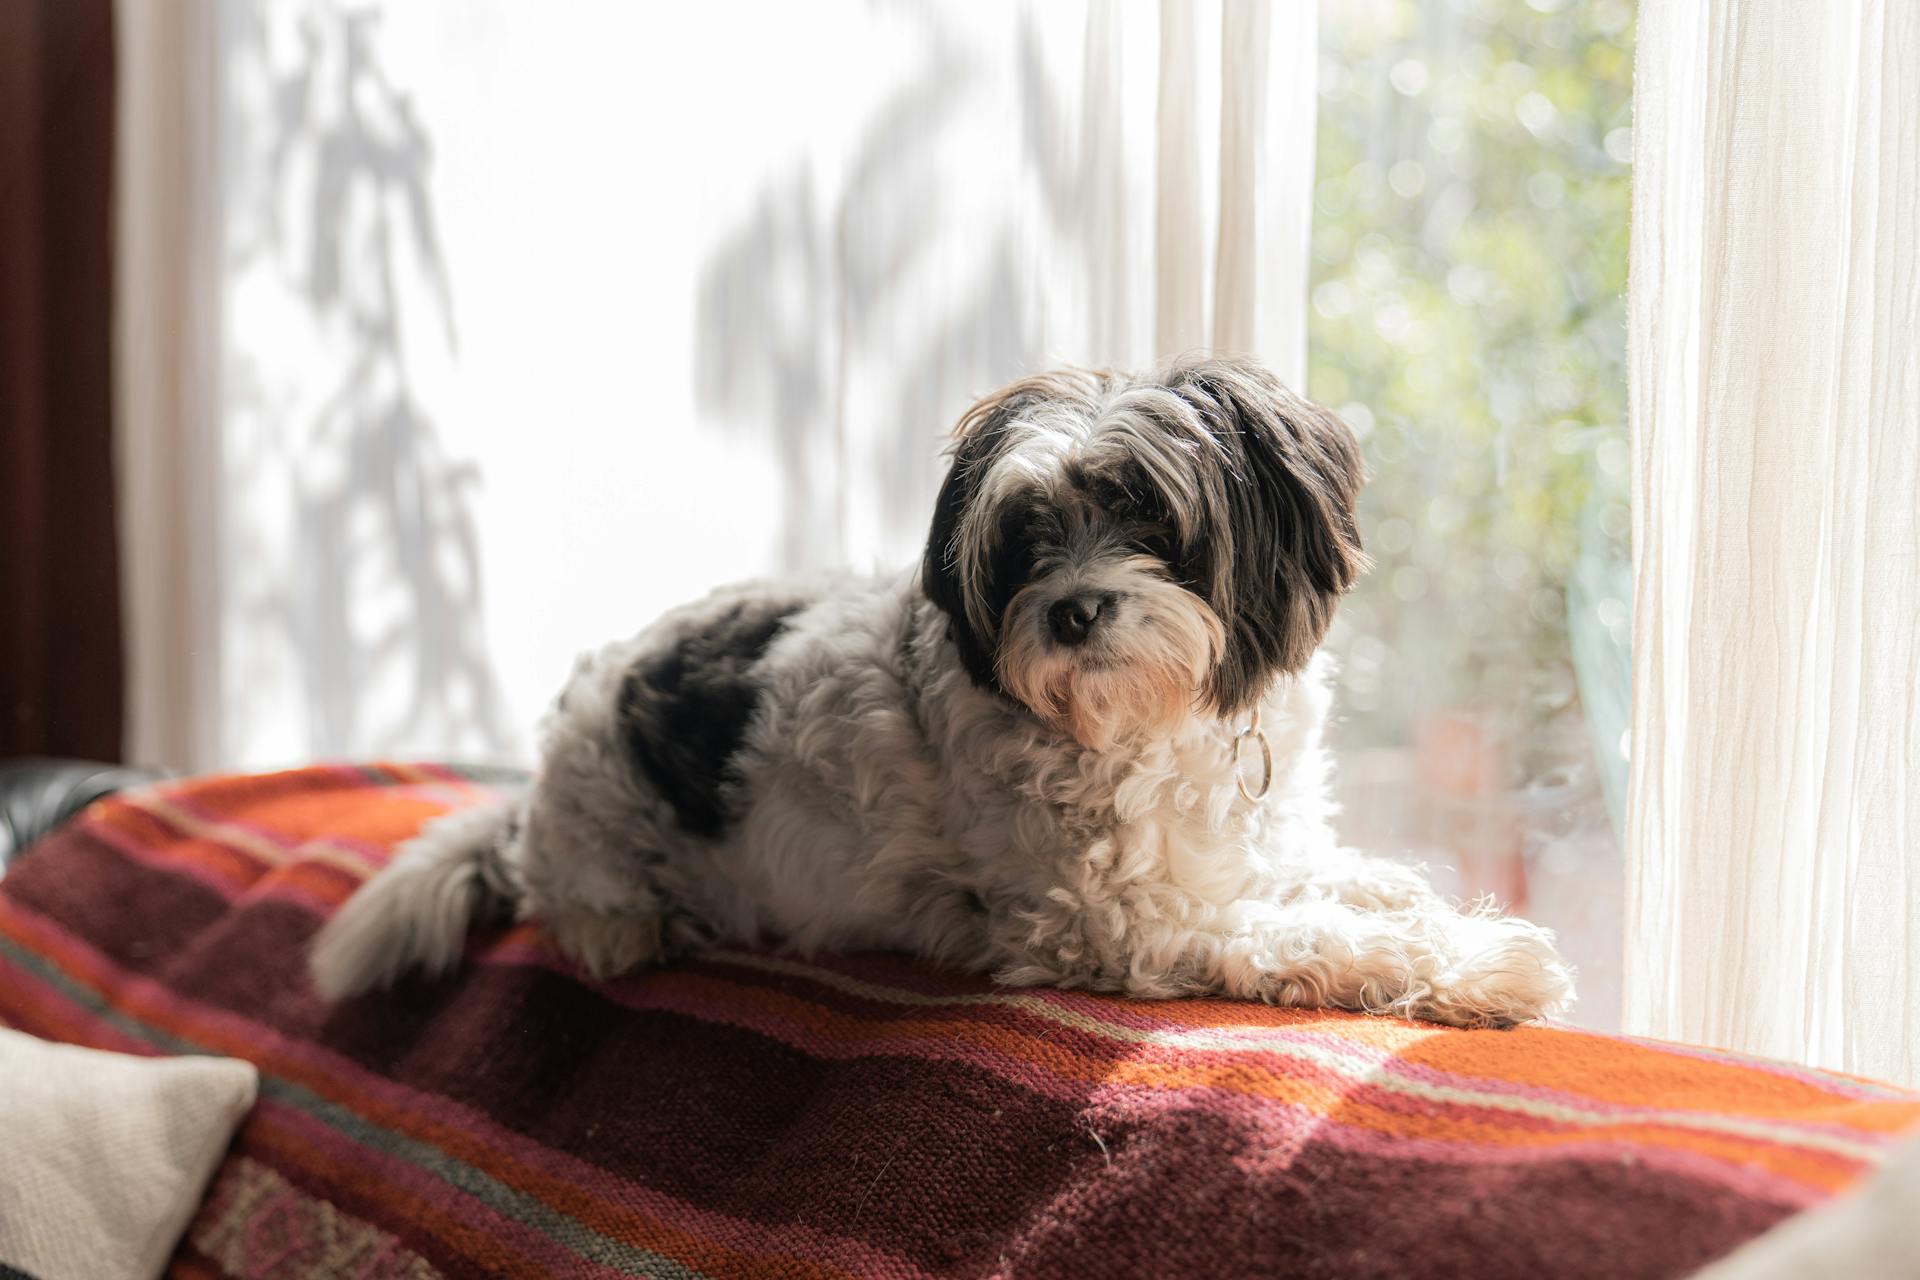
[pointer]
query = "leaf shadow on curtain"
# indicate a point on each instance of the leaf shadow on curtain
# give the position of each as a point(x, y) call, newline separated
point(814, 283)
point(341, 209)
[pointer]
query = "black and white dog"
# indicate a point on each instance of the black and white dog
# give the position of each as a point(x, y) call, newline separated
point(1079, 744)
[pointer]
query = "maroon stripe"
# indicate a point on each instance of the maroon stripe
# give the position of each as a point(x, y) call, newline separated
point(144, 918)
point(1197, 1200)
point(188, 1263)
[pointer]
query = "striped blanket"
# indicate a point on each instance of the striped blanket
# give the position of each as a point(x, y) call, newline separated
point(757, 1114)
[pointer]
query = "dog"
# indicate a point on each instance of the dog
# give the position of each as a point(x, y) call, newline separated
point(1079, 744)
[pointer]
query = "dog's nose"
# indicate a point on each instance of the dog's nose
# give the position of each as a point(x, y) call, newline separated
point(1072, 620)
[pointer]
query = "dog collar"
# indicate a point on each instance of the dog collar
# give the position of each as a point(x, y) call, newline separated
point(1253, 731)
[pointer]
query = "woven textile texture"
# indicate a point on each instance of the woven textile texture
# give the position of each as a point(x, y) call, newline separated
point(758, 1114)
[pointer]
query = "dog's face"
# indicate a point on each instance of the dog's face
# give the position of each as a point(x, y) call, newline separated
point(1119, 554)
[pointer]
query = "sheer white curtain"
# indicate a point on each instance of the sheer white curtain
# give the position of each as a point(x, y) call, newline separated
point(462, 334)
point(1774, 844)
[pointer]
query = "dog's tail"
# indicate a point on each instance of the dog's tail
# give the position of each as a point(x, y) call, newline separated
point(415, 913)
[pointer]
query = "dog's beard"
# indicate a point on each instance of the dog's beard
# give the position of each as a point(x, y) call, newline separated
point(1141, 678)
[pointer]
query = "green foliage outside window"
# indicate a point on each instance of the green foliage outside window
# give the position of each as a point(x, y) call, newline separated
point(1469, 273)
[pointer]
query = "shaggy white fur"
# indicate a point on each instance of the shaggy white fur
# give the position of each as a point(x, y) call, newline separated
point(1016, 758)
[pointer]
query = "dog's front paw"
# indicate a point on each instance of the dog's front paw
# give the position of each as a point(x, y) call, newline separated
point(1493, 971)
point(606, 944)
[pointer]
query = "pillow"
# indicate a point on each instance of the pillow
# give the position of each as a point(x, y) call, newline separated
point(107, 1154)
point(1868, 1232)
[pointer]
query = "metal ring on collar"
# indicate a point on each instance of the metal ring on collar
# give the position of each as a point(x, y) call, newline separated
point(1254, 731)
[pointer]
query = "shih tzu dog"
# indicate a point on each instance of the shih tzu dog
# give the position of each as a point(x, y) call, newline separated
point(1078, 744)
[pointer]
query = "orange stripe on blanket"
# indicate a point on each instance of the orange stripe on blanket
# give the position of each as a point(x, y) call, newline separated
point(1628, 1072)
point(165, 844)
point(322, 877)
point(1557, 1057)
point(280, 830)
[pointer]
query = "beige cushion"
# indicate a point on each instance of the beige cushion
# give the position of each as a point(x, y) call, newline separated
point(106, 1156)
point(1867, 1234)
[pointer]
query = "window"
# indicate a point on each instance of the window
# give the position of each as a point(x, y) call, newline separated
point(1468, 282)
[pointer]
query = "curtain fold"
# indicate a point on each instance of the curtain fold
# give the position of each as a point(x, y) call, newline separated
point(1257, 184)
point(166, 372)
point(1774, 875)
point(1269, 55)
point(1179, 230)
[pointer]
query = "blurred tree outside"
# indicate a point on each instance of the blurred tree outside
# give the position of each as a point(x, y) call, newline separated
point(1468, 320)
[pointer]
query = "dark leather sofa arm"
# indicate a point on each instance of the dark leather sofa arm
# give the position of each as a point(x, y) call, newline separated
point(37, 795)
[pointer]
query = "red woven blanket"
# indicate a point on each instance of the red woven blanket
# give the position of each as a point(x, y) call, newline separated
point(755, 1114)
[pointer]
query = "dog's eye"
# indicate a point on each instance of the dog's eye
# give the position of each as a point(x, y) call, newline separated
point(1112, 497)
point(1039, 530)
point(1158, 542)
point(1011, 569)
point(1020, 565)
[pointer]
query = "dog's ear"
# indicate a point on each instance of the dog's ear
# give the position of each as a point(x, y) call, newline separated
point(1288, 535)
point(978, 439)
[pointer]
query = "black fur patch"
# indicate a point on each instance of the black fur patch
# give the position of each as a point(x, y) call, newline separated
point(1296, 472)
point(940, 570)
point(683, 712)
